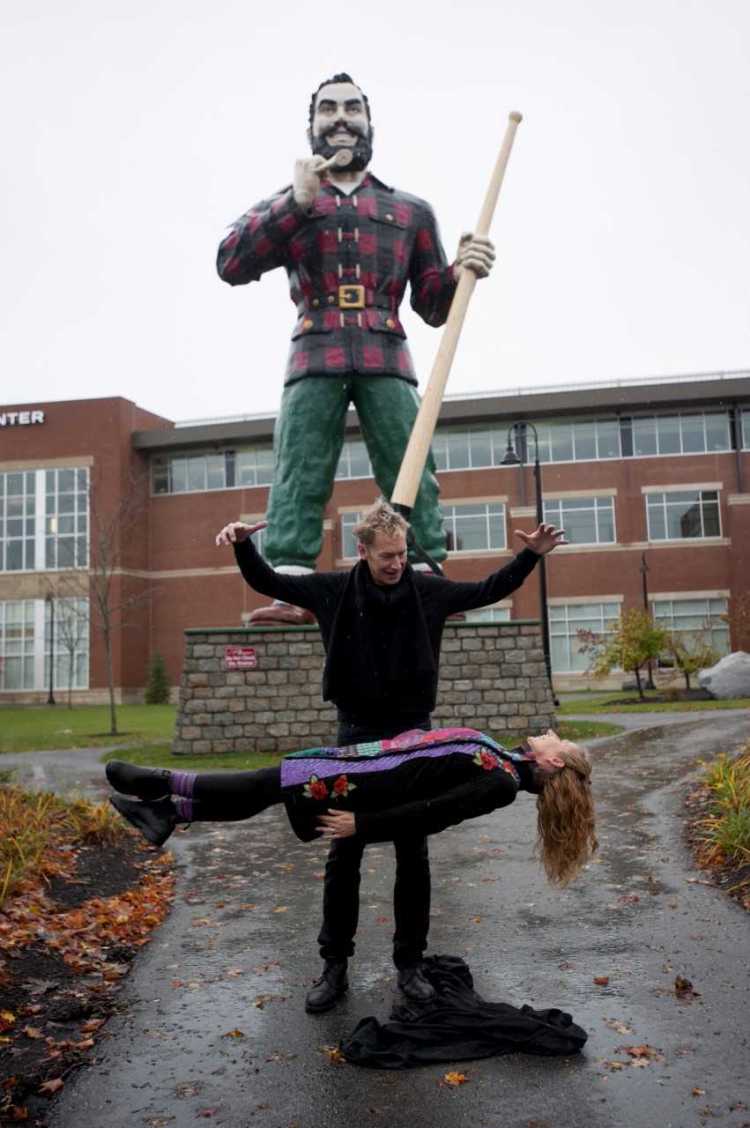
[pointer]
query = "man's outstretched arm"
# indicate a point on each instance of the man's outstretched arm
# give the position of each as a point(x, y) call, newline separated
point(302, 591)
point(454, 596)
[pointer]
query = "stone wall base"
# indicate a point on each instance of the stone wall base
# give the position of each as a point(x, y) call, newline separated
point(493, 678)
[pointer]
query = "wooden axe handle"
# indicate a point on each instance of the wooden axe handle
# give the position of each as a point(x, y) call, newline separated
point(415, 456)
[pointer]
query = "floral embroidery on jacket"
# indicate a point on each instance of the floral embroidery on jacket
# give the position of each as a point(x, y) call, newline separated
point(315, 788)
point(486, 760)
point(342, 786)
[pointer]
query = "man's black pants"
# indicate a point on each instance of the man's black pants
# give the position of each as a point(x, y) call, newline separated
point(411, 892)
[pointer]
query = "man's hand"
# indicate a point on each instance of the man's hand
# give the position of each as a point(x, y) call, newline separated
point(475, 253)
point(308, 175)
point(337, 824)
point(237, 531)
point(543, 539)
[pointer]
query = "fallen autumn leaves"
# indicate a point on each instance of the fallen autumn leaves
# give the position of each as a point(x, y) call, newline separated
point(66, 952)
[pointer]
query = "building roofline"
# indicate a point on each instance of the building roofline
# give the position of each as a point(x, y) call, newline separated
point(613, 397)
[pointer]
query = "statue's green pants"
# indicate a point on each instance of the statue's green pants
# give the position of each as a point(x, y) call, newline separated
point(308, 439)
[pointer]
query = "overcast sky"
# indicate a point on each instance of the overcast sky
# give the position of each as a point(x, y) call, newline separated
point(134, 133)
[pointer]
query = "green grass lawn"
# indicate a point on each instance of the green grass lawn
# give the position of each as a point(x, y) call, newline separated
point(84, 726)
point(615, 702)
point(160, 755)
point(146, 733)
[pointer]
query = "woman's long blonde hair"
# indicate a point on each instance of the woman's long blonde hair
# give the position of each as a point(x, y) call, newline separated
point(566, 822)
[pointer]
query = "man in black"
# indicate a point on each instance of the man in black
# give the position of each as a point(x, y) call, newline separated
point(382, 625)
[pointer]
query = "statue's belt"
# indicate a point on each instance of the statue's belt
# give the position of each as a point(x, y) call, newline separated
point(348, 296)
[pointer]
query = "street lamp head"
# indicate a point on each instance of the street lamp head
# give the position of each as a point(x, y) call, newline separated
point(510, 458)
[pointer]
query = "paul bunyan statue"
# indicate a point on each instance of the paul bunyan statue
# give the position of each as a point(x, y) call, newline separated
point(349, 244)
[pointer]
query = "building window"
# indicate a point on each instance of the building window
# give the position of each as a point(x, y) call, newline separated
point(700, 433)
point(66, 525)
point(581, 441)
point(71, 643)
point(683, 514)
point(253, 467)
point(17, 644)
point(348, 539)
point(17, 521)
point(697, 618)
point(199, 473)
point(354, 461)
point(586, 520)
point(746, 428)
point(565, 620)
point(477, 527)
point(44, 520)
point(488, 615)
point(468, 449)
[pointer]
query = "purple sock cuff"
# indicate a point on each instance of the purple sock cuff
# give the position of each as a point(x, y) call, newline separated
point(182, 783)
point(184, 808)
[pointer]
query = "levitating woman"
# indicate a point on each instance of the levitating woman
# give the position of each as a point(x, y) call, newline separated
point(416, 783)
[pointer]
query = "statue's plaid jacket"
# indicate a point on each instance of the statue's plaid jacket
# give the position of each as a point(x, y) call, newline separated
point(364, 247)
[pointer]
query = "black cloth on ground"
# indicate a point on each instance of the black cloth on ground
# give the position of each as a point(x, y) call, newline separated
point(458, 1025)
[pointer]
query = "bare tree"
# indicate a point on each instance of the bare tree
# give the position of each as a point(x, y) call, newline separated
point(68, 601)
point(112, 529)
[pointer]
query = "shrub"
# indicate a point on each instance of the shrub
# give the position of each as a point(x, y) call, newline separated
point(157, 690)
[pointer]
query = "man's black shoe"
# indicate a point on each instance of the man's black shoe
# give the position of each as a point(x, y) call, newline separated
point(155, 819)
point(412, 982)
point(327, 990)
point(131, 779)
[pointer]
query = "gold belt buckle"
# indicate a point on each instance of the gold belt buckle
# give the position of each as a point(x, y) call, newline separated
point(351, 297)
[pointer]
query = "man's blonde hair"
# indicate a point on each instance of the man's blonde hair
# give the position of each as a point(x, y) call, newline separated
point(379, 518)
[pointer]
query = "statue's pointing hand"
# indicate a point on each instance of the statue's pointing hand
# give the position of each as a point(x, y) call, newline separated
point(237, 531)
point(475, 253)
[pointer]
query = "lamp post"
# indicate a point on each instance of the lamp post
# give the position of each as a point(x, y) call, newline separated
point(49, 599)
point(512, 459)
point(644, 581)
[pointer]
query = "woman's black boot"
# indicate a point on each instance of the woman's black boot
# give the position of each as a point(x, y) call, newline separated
point(146, 783)
point(154, 818)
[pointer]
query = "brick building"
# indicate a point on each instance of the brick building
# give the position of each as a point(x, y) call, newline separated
point(652, 474)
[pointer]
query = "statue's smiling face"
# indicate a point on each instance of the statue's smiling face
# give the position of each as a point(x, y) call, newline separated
point(340, 116)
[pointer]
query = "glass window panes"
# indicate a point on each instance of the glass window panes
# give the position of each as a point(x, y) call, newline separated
point(17, 644)
point(696, 618)
point(683, 514)
point(66, 520)
point(477, 527)
point(488, 615)
point(189, 473)
point(354, 461)
point(71, 643)
point(254, 467)
point(17, 521)
point(565, 620)
point(586, 520)
point(348, 539)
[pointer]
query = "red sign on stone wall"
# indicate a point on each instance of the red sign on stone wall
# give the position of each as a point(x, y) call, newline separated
point(240, 658)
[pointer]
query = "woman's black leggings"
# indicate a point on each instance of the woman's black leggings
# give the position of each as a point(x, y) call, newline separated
point(228, 796)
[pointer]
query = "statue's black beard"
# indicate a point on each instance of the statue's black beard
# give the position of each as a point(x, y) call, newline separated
point(361, 151)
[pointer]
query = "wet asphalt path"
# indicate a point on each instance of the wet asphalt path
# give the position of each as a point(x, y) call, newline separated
point(238, 952)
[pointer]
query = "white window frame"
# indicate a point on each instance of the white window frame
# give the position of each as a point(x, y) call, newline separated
point(663, 492)
point(614, 602)
point(473, 503)
point(596, 502)
point(709, 626)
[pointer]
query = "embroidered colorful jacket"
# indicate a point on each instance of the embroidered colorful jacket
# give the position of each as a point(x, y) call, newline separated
point(348, 259)
point(418, 783)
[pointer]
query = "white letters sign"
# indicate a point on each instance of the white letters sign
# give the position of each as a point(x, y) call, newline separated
point(20, 418)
